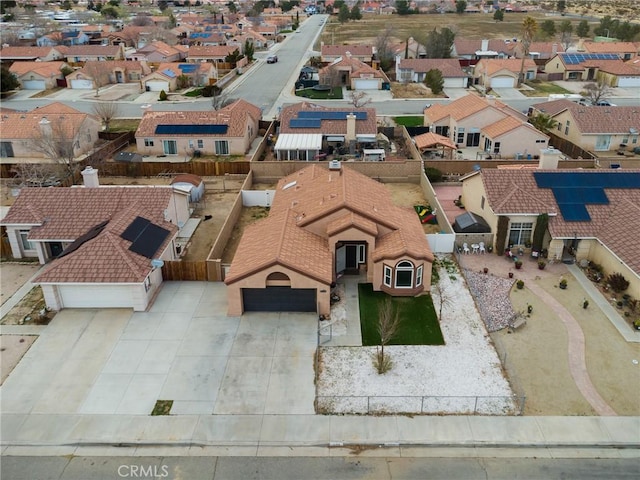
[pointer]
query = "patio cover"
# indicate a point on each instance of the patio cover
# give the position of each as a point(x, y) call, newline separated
point(431, 139)
point(471, 223)
point(299, 141)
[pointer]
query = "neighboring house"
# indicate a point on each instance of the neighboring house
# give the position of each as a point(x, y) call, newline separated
point(415, 70)
point(38, 75)
point(617, 73)
point(111, 71)
point(30, 54)
point(537, 50)
point(103, 245)
point(352, 73)
point(307, 130)
point(94, 53)
point(502, 73)
point(159, 52)
point(576, 66)
point(214, 54)
point(473, 50)
point(595, 129)
point(624, 50)
point(22, 131)
point(175, 76)
point(324, 224)
point(72, 37)
point(486, 123)
point(132, 36)
point(411, 49)
point(604, 232)
point(331, 53)
point(228, 131)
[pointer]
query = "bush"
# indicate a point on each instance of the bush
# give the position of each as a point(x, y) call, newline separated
point(433, 174)
point(163, 96)
point(617, 282)
point(520, 284)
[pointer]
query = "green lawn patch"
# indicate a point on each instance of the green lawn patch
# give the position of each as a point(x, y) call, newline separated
point(196, 92)
point(542, 89)
point(418, 319)
point(162, 407)
point(334, 94)
point(410, 120)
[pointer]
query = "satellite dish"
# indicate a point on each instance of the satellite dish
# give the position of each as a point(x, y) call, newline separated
point(157, 263)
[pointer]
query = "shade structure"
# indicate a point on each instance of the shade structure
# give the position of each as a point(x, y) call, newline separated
point(470, 223)
point(430, 140)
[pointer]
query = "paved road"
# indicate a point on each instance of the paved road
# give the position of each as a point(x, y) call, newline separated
point(307, 468)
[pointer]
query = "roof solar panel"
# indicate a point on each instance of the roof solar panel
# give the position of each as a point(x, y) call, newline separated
point(168, 129)
point(90, 235)
point(169, 73)
point(149, 241)
point(305, 123)
point(188, 67)
point(331, 114)
point(573, 212)
point(135, 228)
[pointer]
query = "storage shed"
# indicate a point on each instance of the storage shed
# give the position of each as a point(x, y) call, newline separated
point(190, 183)
point(471, 223)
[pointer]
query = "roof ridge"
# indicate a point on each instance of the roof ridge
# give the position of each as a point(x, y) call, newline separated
point(113, 238)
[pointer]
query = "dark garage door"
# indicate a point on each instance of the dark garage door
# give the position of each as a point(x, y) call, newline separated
point(279, 299)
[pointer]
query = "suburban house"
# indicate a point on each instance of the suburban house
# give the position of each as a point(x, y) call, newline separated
point(487, 124)
point(323, 224)
point(410, 49)
point(595, 129)
point(471, 50)
point(593, 214)
point(30, 54)
point(502, 73)
point(103, 246)
point(331, 53)
point(228, 131)
point(175, 76)
point(624, 50)
point(353, 73)
point(107, 72)
point(38, 75)
point(617, 73)
point(537, 50)
point(96, 53)
point(215, 54)
point(577, 66)
point(309, 131)
point(44, 131)
point(159, 52)
point(415, 70)
point(131, 36)
point(69, 37)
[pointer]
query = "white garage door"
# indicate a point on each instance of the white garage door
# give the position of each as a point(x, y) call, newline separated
point(628, 82)
point(93, 296)
point(503, 82)
point(157, 85)
point(33, 85)
point(81, 84)
point(455, 82)
point(366, 84)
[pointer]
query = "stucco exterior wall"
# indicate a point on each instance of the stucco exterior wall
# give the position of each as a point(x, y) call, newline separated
point(378, 276)
point(520, 140)
point(237, 146)
point(600, 254)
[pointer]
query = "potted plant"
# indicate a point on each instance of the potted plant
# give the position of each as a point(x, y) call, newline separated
point(541, 264)
point(510, 274)
point(563, 284)
point(485, 270)
point(520, 284)
point(529, 309)
point(518, 264)
point(585, 304)
point(636, 324)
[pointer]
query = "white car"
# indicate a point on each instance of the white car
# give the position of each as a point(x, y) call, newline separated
point(272, 59)
point(605, 103)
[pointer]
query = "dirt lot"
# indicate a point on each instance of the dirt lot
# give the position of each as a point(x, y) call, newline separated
point(13, 276)
point(13, 348)
point(409, 195)
point(412, 90)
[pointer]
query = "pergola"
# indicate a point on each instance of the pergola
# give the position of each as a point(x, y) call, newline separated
point(433, 143)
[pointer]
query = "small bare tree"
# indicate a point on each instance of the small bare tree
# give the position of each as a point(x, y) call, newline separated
point(98, 73)
point(58, 140)
point(106, 111)
point(388, 324)
point(596, 91)
point(35, 174)
point(443, 296)
point(359, 98)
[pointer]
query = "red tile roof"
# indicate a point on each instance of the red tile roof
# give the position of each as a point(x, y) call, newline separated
point(450, 67)
point(44, 69)
point(328, 127)
point(594, 120)
point(342, 50)
point(26, 125)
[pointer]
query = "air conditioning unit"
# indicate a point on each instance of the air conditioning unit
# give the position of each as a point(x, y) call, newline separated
point(334, 165)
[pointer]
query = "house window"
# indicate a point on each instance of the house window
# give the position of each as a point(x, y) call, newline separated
point(148, 142)
point(191, 144)
point(496, 147)
point(404, 275)
point(603, 143)
point(419, 276)
point(460, 136)
point(559, 127)
point(566, 127)
point(541, 141)
point(26, 244)
point(6, 150)
point(520, 233)
point(482, 203)
point(387, 276)
point(170, 147)
point(200, 143)
point(222, 147)
point(362, 254)
point(634, 139)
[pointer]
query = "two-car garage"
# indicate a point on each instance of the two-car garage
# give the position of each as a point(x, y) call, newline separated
point(279, 299)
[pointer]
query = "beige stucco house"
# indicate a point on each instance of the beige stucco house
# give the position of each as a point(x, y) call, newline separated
point(228, 131)
point(604, 232)
point(323, 224)
point(38, 75)
point(502, 72)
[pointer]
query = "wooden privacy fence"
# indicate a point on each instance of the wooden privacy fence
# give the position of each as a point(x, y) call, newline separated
point(151, 169)
point(179, 270)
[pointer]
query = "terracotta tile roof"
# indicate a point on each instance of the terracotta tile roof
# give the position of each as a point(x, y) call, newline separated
point(634, 62)
point(328, 127)
point(450, 67)
point(407, 239)
point(617, 67)
point(160, 47)
point(494, 65)
point(341, 50)
point(465, 46)
point(503, 126)
point(108, 66)
point(605, 119)
point(458, 109)
point(26, 125)
point(615, 224)
point(44, 69)
point(352, 220)
point(233, 115)
point(26, 52)
point(356, 68)
point(553, 107)
point(65, 214)
point(610, 47)
point(430, 139)
point(214, 51)
point(93, 50)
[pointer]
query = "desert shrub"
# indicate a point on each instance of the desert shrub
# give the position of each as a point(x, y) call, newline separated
point(617, 282)
point(163, 96)
point(433, 174)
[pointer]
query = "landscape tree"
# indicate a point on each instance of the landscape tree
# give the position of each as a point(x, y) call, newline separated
point(249, 50)
point(439, 43)
point(434, 80)
point(232, 7)
point(498, 15)
point(56, 139)
point(388, 324)
point(583, 29)
point(98, 73)
point(343, 14)
point(8, 80)
point(627, 32)
point(402, 7)
point(529, 29)
point(383, 47)
point(461, 6)
point(596, 91)
point(355, 13)
point(607, 27)
point(106, 111)
point(110, 12)
point(543, 122)
point(561, 5)
point(548, 28)
point(233, 57)
point(35, 174)
point(142, 21)
point(566, 31)
point(358, 98)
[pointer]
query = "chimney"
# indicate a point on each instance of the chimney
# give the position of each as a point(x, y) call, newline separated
point(351, 128)
point(90, 176)
point(554, 49)
point(549, 158)
point(484, 46)
point(45, 127)
point(491, 99)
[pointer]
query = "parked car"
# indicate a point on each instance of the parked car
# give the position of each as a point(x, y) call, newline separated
point(272, 59)
point(605, 103)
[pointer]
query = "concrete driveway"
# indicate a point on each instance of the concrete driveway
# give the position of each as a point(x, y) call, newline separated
point(508, 93)
point(183, 349)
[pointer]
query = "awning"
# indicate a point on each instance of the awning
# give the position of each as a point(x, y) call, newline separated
point(335, 138)
point(299, 141)
point(366, 138)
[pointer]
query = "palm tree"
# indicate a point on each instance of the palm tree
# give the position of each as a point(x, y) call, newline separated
point(543, 122)
point(529, 29)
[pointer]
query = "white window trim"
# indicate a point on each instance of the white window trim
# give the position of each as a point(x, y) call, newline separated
point(404, 269)
point(419, 271)
point(24, 241)
point(387, 276)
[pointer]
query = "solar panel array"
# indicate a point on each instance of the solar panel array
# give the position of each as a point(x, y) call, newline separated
point(332, 115)
point(573, 191)
point(145, 237)
point(305, 123)
point(169, 73)
point(576, 58)
point(188, 67)
point(191, 129)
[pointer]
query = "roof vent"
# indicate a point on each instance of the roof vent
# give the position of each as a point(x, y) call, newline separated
point(335, 165)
